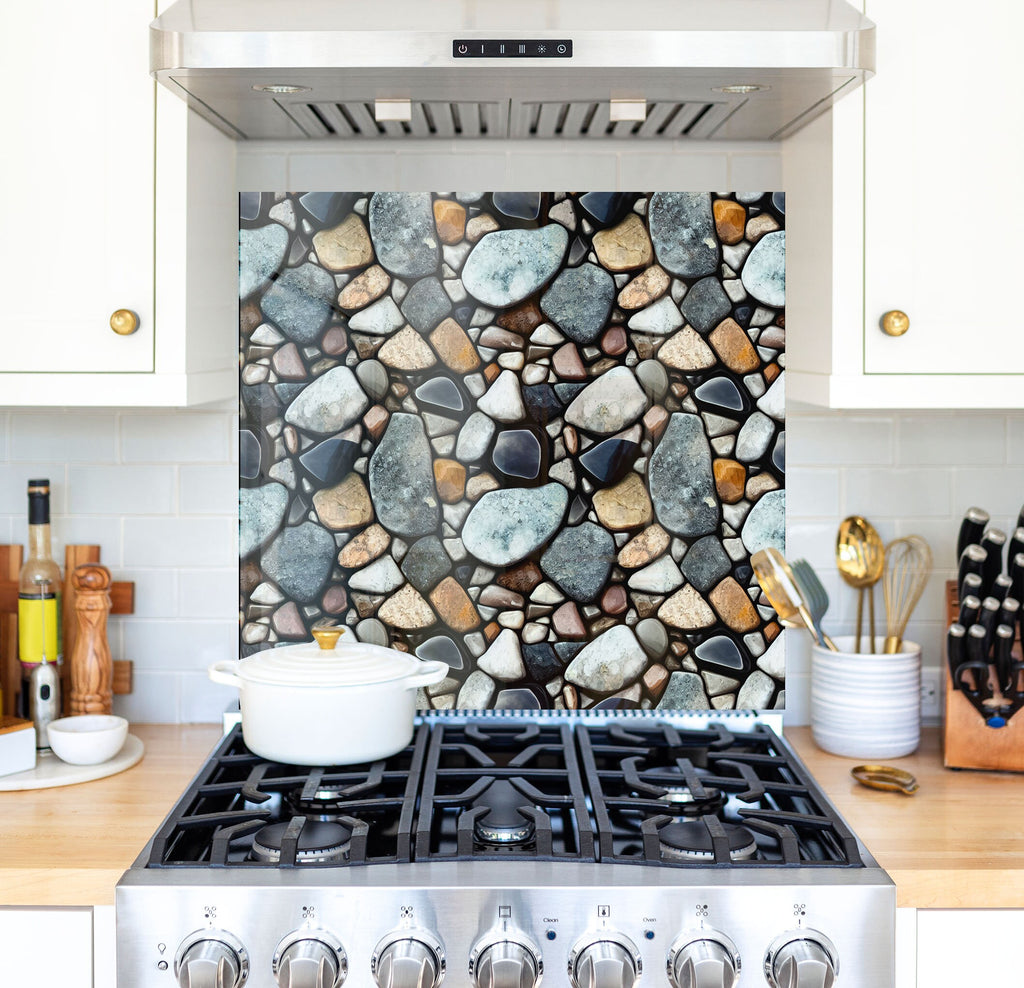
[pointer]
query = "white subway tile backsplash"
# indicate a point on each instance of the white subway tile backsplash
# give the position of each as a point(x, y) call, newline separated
point(14, 478)
point(203, 701)
point(1000, 492)
point(811, 540)
point(577, 165)
point(73, 436)
point(376, 169)
point(179, 542)
point(208, 593)
point(648, 171)
point(753, 172)
point(812, 493)
point(155, 698)
point(841, 440)
point(208, 490)
point(898, 492)
point(178, 646)
point(798, 699)
point(104, 531)
point(442, 171)
point(121, 490)
point(928, 440)
point(156, 591)
point(258, 170)
point(909, 472)
point(1015, 439)
point(175, 437)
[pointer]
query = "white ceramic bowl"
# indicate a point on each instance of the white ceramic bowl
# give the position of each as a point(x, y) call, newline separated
point(88, 739)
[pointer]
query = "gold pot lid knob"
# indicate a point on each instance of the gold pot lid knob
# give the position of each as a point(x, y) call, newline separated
point(124, 322)
point(895, 322)
point(327, 638)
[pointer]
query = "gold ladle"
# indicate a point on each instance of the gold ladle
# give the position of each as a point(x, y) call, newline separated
point(860, 558)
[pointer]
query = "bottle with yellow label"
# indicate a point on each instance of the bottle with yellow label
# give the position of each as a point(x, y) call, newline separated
point(39, 591)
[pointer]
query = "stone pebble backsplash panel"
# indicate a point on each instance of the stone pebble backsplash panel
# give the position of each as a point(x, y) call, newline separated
point(534, 435)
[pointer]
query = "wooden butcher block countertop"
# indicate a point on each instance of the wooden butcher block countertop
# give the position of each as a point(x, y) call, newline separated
point(958, 843)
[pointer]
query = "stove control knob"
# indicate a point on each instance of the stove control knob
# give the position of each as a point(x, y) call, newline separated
point(211, 959)
point(409, 959)
point(310, 959)
point(709, 960)
point(609, 960)
point(507, 963)
point(801, 959)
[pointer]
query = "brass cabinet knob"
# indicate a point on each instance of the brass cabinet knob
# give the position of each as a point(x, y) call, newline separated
point(895, 323)
point(124, 322)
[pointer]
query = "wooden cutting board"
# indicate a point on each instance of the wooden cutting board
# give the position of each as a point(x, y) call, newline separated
point(50, 771)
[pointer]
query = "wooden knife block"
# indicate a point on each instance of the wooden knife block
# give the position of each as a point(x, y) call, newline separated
point(968, 742)
point(122, 597)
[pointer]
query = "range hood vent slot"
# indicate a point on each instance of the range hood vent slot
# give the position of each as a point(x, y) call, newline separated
point(581, 119)
point(545, 120)
point(355, 120)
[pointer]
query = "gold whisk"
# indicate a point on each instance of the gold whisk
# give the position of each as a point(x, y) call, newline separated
point(908, 563)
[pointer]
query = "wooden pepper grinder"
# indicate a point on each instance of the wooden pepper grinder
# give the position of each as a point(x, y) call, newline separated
point(92, 670)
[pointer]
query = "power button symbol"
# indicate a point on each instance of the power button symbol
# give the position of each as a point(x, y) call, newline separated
point(463, 49)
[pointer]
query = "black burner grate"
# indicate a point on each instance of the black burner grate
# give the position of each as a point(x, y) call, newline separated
point(499, 789)
point(237, 793)
point(644, 777)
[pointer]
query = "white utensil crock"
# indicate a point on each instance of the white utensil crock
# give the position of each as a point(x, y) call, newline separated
point(304, 705)
point(863, 705)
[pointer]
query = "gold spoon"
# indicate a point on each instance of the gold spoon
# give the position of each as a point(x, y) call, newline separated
point(885, 777)
point(860, 558)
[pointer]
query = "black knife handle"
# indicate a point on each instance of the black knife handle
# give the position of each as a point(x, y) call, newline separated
point(1020, 518)
point(1001, 587)
point(970, 608)
point(1016, 545)
point(956, 650)
point(1009, 612)
point(1017, 575)
point(975, 520)
point(988, 619)
point(993, 542)
point(972, 560)
point(1004, 643)
point(977, 656)
point(971, 587)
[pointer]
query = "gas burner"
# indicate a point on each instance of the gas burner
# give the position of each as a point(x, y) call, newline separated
point(691, 841)
point(319, 843)
point(682, 801)
point(327, 803)
point(502, 824)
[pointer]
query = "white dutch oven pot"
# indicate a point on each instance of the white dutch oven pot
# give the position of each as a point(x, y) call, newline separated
point(314, 704)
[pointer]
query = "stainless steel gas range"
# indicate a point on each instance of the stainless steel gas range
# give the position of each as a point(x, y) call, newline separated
point(503, 850)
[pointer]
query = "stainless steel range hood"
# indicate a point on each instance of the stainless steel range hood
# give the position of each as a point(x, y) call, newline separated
point(676, 69)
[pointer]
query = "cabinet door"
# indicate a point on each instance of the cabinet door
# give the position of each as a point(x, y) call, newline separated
point(77, 169)
point(47, 948)
point(943, 217)
point(968, 947)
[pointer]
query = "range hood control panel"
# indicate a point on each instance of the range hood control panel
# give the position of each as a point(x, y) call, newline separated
point(512, 48)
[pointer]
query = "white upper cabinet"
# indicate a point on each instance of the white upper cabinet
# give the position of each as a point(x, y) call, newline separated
point(904, 199)
point(101, 214)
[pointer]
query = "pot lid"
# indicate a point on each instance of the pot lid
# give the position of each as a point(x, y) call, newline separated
point(326, 662)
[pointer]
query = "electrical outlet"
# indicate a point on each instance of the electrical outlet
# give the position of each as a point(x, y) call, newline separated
point(931, 689)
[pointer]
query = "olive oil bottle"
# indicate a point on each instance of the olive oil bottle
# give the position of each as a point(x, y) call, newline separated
point(39, 593)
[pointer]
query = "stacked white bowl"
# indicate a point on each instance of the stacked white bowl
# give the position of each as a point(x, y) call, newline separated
point(863, 705)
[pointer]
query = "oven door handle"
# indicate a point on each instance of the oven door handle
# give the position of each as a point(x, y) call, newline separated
point(223, 673)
